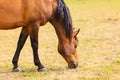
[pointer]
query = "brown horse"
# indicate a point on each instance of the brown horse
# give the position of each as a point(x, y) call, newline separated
point(30, 14)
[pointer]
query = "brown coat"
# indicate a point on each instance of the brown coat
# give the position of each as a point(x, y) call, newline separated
point(16, 13)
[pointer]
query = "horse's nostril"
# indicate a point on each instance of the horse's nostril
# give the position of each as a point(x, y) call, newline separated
point(73, 65)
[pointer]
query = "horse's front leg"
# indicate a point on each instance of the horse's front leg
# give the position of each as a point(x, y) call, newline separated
point(34, 44)
point(22, 38)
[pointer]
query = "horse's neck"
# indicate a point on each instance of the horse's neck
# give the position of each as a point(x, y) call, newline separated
point(60, 31)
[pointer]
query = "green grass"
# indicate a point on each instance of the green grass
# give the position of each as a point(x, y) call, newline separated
point(98, 50)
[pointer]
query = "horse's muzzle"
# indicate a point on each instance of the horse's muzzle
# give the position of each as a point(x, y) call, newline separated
point(73, 65)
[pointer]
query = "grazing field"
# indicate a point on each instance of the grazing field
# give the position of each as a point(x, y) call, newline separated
point(98, 50)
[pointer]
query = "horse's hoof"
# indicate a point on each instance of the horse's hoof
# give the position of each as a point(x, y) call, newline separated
point(16, 70)
point(42, 69)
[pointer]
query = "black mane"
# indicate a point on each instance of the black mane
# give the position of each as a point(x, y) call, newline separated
point(67, 21)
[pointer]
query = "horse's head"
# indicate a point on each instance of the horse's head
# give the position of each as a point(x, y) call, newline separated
point(68, 50)
point(67, 37)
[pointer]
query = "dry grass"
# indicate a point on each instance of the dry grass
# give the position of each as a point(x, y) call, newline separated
point(98, 51)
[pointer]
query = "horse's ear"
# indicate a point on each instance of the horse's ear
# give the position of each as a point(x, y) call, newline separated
point(75, 33)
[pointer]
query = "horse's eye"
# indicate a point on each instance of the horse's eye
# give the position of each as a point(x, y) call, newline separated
point(76, 45)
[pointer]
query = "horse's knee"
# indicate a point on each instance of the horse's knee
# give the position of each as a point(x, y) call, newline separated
point(34, 46)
